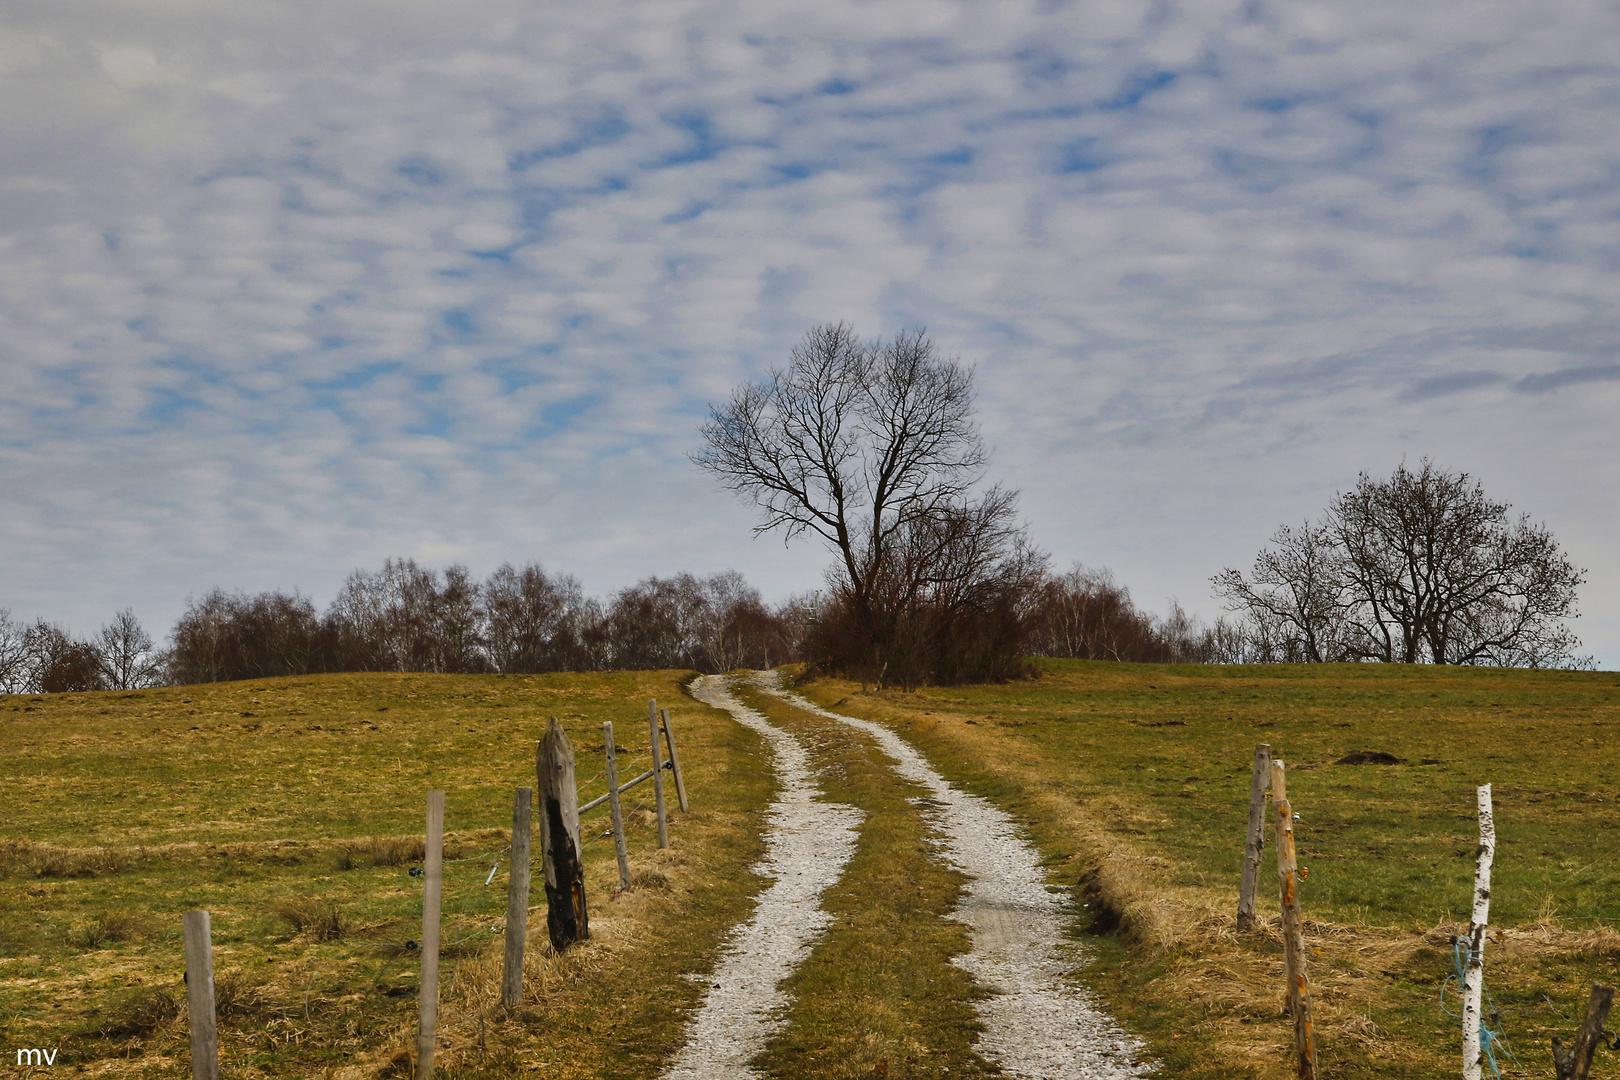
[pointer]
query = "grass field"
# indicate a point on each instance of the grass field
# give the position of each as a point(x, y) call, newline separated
point(292, 810)
point(1136, 778)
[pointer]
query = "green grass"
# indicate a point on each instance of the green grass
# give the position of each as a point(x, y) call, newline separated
point(292, 810)
point(1141, 774)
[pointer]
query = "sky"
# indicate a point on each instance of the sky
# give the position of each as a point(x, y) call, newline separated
point(289, 288)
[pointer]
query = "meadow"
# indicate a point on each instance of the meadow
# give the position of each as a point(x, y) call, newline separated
point(292, 809)
point(1134, 779)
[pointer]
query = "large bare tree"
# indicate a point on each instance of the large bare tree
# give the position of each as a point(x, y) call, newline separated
point(1420, 568)
point(871, 447)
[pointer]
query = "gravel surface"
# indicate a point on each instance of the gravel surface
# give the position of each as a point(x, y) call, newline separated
point(1038, 1025)
point(807, 844)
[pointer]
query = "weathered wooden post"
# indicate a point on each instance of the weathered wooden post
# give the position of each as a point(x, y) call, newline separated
point(517, 901)
point(1474, 965)
point(674, 762)
point(613, 804)
point(1299, 987)
point(200, 995)
point(1576, 1062)
point(566, 918)
point(1256, 842)
point(428, 995)
point(657, 773)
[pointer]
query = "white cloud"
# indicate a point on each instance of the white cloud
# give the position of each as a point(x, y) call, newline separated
point(288, 288)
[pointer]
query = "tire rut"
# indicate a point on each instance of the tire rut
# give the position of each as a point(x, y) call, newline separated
point(807, 845)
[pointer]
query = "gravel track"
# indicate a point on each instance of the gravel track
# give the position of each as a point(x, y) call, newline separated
point(807, 844)
point(1038, 1025)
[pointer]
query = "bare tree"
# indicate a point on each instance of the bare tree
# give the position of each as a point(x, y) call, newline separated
point(16, 658)
point(537, 622)
point(1419, 568)
point(128, 660)
point(871, 447)
point(62, 664)
point(1297, 596)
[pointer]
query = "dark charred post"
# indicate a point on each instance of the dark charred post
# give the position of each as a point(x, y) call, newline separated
point(1256, 842)
point(1576, 1062)
point(517, 901)
point(674, 760)
point(1299, 987)
point(566, 919)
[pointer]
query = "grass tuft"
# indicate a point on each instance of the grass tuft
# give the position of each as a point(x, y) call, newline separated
point(102, 929)
point(135, 1015)
point(314, 919)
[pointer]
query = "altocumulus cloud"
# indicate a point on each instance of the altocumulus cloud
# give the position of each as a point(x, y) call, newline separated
point(286, 288)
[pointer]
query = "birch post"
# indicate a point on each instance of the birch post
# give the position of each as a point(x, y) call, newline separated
point(658, 773)
point(517, 901)
point(1576, 1062)
point(427, 1010)
point(1474, 967)
point(674, 762)
point(613, 804)
point(1255, 844)
point(200, 995)
point(1299, 987)
point(566, 918)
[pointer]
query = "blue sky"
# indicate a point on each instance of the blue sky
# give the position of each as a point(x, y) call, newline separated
point(289, 288)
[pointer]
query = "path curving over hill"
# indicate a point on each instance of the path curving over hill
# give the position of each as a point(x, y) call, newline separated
point(807, 845)
point(1038, 1026)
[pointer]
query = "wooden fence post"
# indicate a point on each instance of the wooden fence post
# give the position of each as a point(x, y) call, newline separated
point(428, 994)
point(566, 918)
point(674, 762)
point(1299, 987)
point(613, 804)
point(658, 773)
point(200, 996)
point(517, 901)
point(1576, 1063)
point(1256, 842)
point(1474, 964)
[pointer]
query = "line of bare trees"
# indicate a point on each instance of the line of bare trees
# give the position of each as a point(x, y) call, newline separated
point(42, 657)
point(406, 617)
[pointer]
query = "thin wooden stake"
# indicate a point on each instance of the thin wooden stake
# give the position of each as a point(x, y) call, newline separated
point(1576, 1063)
point(658, 773)
point(613, 803)
point(200, 995)
point(1255, 844)
point(1299, 987)
point(566, 918)
point(674, 761)
point(517, 901)
point(1474, 965)
point(428, 994)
